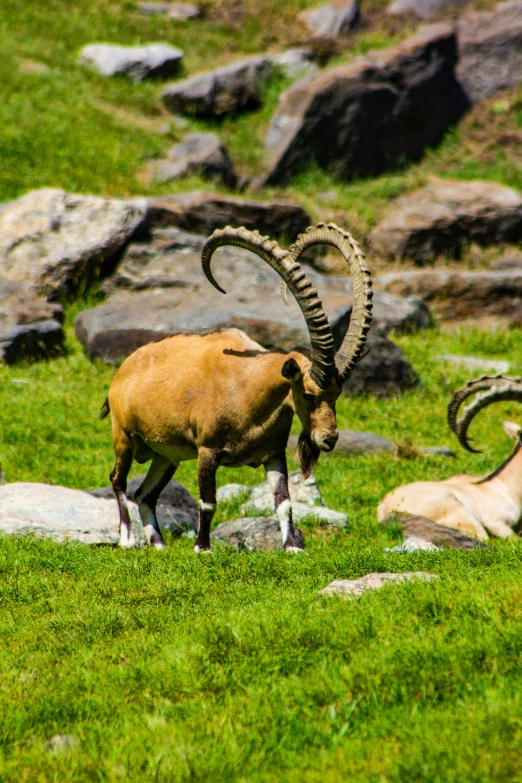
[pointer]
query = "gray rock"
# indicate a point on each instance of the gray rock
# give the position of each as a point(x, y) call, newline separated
point(413, 544)
point(179, 11)
point(232, 88)
point(295, 62)
point(353, 588)
point(198, 153)
point(507, 261)
point(177, 511)
point(61, 243)
point(351, 442)
point(456, 295)
point(445, 215)
point(204, 212)
point(425, 9)
point(153, 61)
point(63, 514)
point(490, 45)
point(337, 18)
point(61, 743)
point(261, 534)
point(402, 314)
point(232, 492)
point(423, 528)
point(30, 327)
point(436, 451)
point(474, 363)
point(365, 117)
point(383, 372)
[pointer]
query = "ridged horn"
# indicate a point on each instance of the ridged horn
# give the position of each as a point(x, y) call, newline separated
point(360, 320)
point(323, 352)
point(489, 389)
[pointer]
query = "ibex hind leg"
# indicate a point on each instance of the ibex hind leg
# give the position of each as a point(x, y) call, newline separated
point(124, 451)
point(160, 473)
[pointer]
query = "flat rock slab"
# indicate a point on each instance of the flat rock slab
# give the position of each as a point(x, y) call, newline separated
point(352, 442)
point(153, 61)
point(473, 363)
point(490, 46)
point(384, 371)
point(30, 327)
point(179, 11)
point(428, 10)
point(198, 153)
point(261, 534)
point(426, 530)
point(61, 243)
point(202, 213)
point(456, 295)
point(177, 511)
point(365, 117)
point(353, 588)
point(444, 216)
point(334, 20)
point(232, 88)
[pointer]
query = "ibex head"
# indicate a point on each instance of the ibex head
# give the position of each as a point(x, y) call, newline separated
point(316, 380)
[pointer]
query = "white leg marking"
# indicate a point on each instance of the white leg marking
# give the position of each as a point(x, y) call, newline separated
point(283, 515)
point(199, 551)
point(206, 506)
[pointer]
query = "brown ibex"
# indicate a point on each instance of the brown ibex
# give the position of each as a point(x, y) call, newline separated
point(223, 399)
point(471, 504)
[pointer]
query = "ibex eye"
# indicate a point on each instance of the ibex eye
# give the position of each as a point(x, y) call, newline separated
point(309, 397)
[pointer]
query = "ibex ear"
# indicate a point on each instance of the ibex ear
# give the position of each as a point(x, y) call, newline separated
point(513, 430)
point(291, 370)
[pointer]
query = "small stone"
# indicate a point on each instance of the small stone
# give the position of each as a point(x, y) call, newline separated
point(198, 153)
point(306, 492)
point(507, 261)
point(231, 492)
point(61, 742)
point(294, 63)
point(424, 9)
point(474, 363)
point(336, 19)
point(413, 544)
point(152, 61)
point(179, 11)
point(353, 588)
point(436, 451)
point(262, 534)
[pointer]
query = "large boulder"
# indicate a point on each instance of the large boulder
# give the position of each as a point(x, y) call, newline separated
point(204, 212)
point(229, 89)
point(445, 215)
point(383, 371)
point(427, 10)
point(490, 45)
point(61, 243)
point(365, 117)
point(459, 295)
point(152, 61)
point(335, 19)
point(198, 153)
point(261, 534)
point(30, 327)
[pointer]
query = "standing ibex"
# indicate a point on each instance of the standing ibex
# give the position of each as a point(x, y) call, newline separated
point(223, 399)
point(471, 504)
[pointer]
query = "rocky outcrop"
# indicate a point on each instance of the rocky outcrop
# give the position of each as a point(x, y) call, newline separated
point(442, 217)
point(198, 153)
point(261, 534)
point(178, 11)
point(153, 61)
point(61, 243)
point(353, 588)
point(336, 19)
point(384, 370)
point(490, 45)
point(428, 10)
point(363, 118)
point(204, 212)
point(30, 327)
point(232, 88)
point(459, 295)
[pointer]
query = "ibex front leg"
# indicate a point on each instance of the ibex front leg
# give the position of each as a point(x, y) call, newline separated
point(277, 475)
point(207, 468)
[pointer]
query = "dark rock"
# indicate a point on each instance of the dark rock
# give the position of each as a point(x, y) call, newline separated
point(153, 61)
point(390, 313)
point(204, 212)
point(353, 588)
point(383, 372)
point(427, 530)
point(180, 11)
point(459, 295)
point(425, 9)
point(351, 442)
point(62, 243)
point(490, 45)
point(229, 89)
point(198, 153)
point(261, 534)
point(365, 117)
point(445, 215)
point(30, 327)
point(177, 511)
point(337, 18)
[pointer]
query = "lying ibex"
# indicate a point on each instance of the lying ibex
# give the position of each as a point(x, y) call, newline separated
point(223, 399)
point(471, 504)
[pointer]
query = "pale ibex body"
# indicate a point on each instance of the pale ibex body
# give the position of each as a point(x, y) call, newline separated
point(472, 504)
point(223, 399)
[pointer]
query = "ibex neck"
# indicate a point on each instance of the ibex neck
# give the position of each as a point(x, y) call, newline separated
point(510, 474)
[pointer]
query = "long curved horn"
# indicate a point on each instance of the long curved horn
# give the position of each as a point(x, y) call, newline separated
point(351, 349)
point(489, 388)
point(323, 351)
